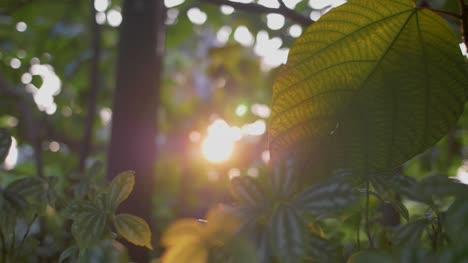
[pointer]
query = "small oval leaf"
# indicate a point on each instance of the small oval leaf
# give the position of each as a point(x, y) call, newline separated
point(120, 188)
point(134, 229)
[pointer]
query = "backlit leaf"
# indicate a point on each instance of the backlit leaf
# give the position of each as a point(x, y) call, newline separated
point(121, 187)
point(134, 229)
point(186, 251)
point(381, 80)
point(187, 229)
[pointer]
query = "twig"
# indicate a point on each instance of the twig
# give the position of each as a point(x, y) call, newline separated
point(93, 92)
point(255, 8)
point(447, 13)
point(464, 25)
point(26, 233)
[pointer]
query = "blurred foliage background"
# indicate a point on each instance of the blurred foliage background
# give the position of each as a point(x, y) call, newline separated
point(219, 66)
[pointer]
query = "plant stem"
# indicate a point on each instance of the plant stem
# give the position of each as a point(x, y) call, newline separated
point(367, 227)
point(358, 229)
point(4, 248)
point(28, 228)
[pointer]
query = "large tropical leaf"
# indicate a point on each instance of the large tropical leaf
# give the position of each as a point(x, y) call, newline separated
point(384, 80)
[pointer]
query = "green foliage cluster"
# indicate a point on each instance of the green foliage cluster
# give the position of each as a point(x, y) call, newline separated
point(29, 201)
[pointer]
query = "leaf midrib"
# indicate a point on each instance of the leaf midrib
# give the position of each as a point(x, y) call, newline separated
point(336, 42)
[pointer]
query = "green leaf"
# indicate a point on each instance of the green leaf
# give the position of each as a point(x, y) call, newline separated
point(134, 229)
point(31, 188)
point(322, 250)
point(120, 188)
point(441, 186)
point(88, 229)
point(371, 256)
point(380, 81)
point(5, 143)
point(282, 180)
point(410, 234)
point(68, 253)
point(14, 203)
point(288, 232)
point(247, 190)
point(325, 199)
point(78, 208)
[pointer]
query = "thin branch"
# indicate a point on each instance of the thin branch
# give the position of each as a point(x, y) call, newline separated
point(260, 9)
point(446, 13)
point(26, 233)
point(464, 25)
point(94, 90)
point(282, 4)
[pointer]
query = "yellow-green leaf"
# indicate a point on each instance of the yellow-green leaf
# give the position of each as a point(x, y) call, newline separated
point(134, 229)
point(186, 251)
point(121, 187)
point(183, 229)
point(382, 80)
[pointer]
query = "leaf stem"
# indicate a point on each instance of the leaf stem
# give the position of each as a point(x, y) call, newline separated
point(26, 233)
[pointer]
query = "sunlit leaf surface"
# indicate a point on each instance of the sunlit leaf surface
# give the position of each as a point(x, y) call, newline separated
point(121, 187)
point(134, 229)
point(382, 80)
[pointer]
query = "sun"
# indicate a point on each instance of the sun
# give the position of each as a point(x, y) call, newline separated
point(218, 145)
point(216, 150)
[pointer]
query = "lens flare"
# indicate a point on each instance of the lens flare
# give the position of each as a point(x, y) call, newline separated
point(218, 145)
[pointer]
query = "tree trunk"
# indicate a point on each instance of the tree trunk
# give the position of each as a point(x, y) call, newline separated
point(136, 97)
